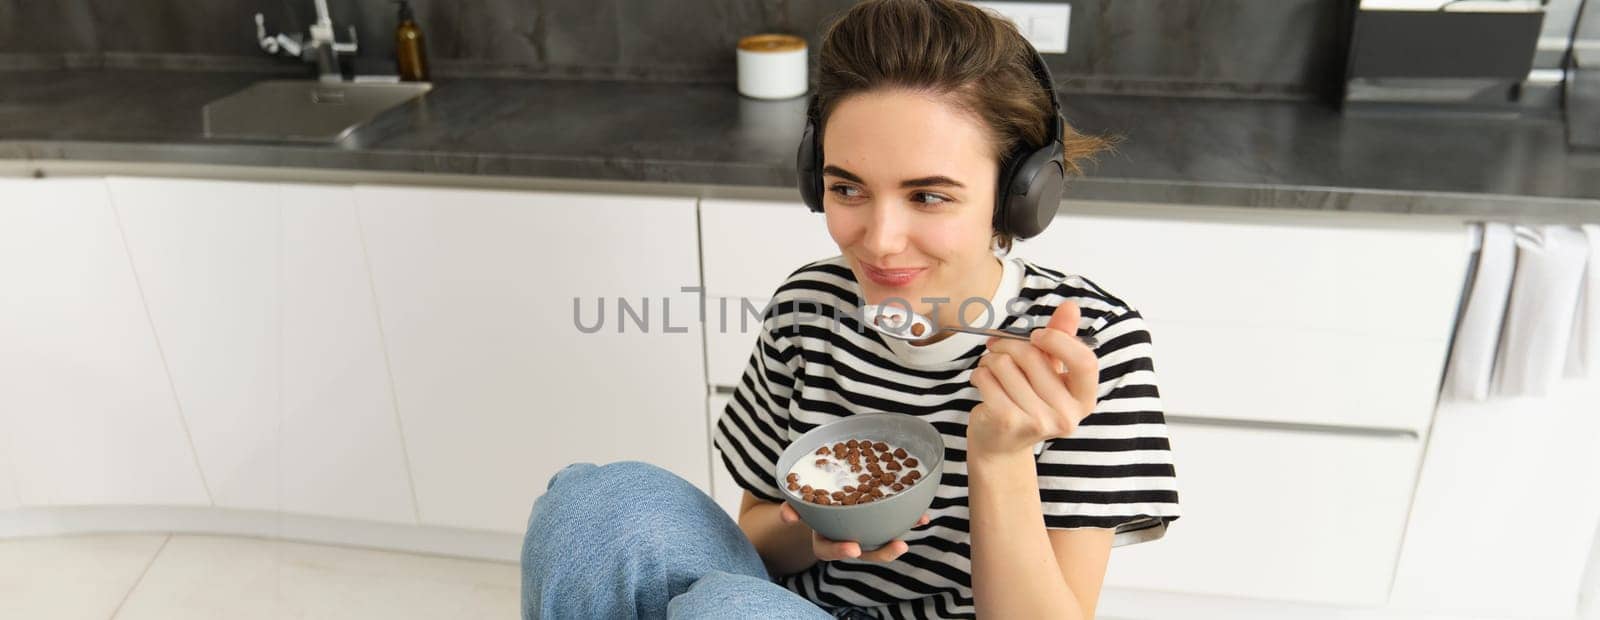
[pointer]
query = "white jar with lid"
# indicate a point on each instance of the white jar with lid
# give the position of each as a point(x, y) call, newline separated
point(772, 66)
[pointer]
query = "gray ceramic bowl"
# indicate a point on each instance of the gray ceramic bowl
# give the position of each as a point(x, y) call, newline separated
point(873, 524)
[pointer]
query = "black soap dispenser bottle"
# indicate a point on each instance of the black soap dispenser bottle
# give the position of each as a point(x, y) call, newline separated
point(409, 55)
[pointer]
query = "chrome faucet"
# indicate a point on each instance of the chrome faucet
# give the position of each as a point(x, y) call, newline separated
point(321, 48)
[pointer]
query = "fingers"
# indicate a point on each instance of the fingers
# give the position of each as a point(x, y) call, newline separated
point(1038, 417)
point(1065, 317)
point(1015, 383)
point(828, 549)
point(886, 553)
point(1083, 368)
point(1064, 320)
point(994, 395)
point(1030, 379)
point(1033, 372)
point(1060, 344)
point(849, 550)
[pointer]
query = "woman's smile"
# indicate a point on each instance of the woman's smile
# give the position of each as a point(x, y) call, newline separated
point(892, 278)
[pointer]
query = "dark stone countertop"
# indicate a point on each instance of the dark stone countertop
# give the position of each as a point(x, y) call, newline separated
point(1241, 153)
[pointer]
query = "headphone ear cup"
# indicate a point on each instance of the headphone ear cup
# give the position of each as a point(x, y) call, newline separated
point(1003, 193)
point(807, 168)
point(1034, 193)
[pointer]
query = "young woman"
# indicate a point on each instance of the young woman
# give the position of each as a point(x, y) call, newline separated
point(924, 110)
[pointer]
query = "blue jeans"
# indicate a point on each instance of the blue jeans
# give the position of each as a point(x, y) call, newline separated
point(632, 540)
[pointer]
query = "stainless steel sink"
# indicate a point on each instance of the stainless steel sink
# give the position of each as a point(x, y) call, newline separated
point(303, 110)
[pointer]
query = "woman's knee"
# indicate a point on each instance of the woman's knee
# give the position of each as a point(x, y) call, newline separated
point(637, 506)
point(631, 521)
point(618, 495)
point(621, 479)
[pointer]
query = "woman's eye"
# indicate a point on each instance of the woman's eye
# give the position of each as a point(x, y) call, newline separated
point(844, 191)
point(925, 198)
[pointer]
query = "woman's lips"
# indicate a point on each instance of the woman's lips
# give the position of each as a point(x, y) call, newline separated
point(892, 277)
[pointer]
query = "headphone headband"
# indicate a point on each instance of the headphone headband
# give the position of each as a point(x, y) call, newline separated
point(1056, 125)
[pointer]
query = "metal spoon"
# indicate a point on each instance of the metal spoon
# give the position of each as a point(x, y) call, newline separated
point(901, 323)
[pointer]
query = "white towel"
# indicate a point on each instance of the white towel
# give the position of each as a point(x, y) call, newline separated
point(1478, 332)
point(1544, 299)
point(1545, 444)
point(1583, 357)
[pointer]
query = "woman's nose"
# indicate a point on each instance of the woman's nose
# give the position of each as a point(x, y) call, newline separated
point(886, 231)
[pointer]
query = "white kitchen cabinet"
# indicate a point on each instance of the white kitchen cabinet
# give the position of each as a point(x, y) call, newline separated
point(730, 342)
point(343, 453)
point(1280, 514)
point(1309, 321)
point(728, 493)
point(87, 406)
point(260, 297)
point(8, 485)
point(206, 254)
point(1507, 510)
point(496, 384)
point(752, 245)
point(749, 247)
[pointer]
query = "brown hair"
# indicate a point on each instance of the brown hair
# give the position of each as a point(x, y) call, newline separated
point(946, 48)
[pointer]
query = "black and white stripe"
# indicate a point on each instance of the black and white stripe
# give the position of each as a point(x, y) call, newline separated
point(1115, 471)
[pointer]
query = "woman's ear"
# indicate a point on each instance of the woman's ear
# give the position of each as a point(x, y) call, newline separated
point(1001, 242)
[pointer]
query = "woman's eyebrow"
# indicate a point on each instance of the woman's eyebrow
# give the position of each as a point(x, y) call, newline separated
point(933, 181)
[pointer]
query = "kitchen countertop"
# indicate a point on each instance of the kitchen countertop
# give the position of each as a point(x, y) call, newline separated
point(1240, 153)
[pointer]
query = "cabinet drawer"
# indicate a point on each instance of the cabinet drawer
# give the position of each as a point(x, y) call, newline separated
point(1267, 513)
point(728, 347)
point(1297, 376)
point(723, 489)
point(1319, 322)
point(749, 246)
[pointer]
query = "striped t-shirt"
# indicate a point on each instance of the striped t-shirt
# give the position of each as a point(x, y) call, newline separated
point(814, 363)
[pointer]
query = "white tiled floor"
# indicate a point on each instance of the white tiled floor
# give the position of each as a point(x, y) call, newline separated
point(155, 576)
point(71, 577)
point(139, 576)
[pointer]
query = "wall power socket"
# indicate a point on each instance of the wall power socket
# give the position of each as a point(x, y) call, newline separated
point(1044, 24)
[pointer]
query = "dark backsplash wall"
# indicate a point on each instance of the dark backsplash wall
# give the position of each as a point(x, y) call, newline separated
point(1271, 48)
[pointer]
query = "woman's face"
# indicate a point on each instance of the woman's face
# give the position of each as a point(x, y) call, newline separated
point(908, 188)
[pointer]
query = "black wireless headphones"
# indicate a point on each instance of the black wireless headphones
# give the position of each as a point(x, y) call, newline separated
point(1031, 179)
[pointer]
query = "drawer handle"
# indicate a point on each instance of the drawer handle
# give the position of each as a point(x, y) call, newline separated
point(1299, 427)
